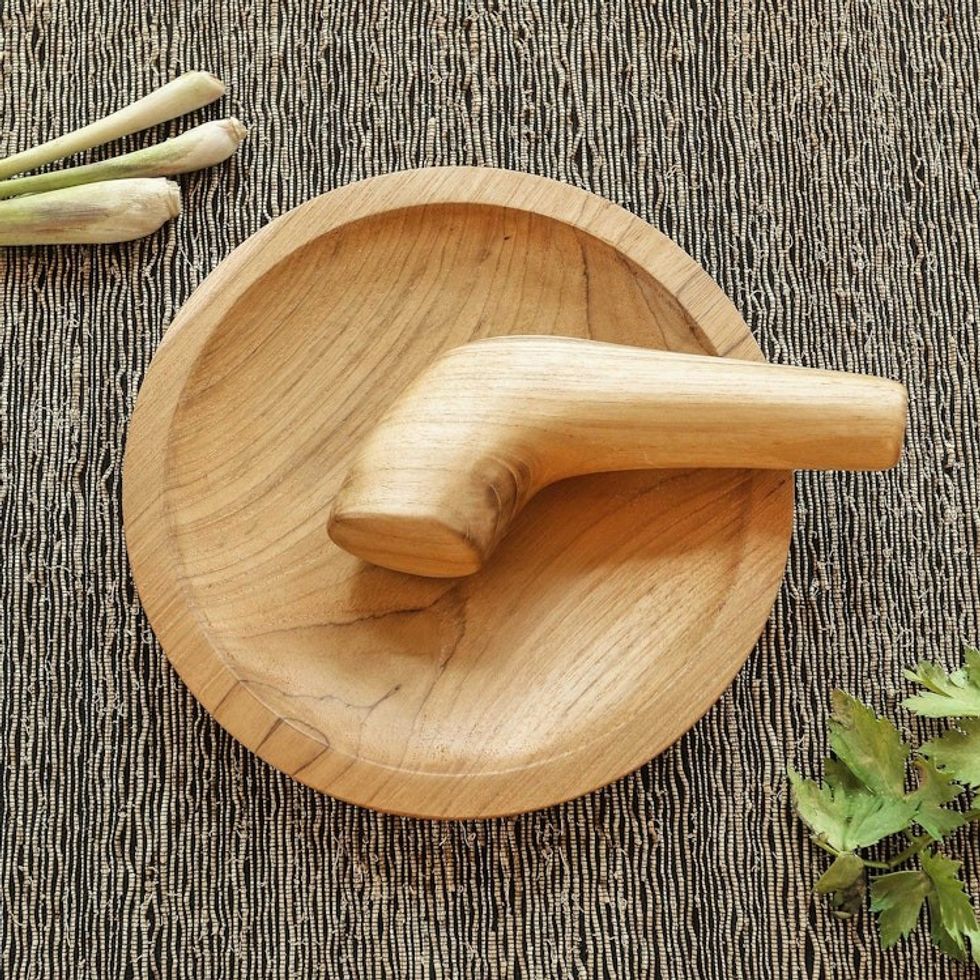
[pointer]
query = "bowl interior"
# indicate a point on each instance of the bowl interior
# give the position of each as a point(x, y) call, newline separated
point(597, 611)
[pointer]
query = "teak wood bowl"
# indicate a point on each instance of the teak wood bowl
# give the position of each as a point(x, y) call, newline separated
point(610, 618)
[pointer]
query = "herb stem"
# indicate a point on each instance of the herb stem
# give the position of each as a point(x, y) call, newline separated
point(824, 846)
point(909, 852)
point(109, 211)
point(877, 865)
point(184, 94)
point(203, 146)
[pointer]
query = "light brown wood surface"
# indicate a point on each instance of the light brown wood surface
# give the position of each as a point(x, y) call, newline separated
point(610, 619)
point(441, 478)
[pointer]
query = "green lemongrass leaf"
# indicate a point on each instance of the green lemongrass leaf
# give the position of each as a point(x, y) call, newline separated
point(846, 818)
point(955, 695)
point(952, 918)
point(203, 146)
point(957, 752)
point(869, 746)
point(898, 898)
point(935, 788)
point(184, 94)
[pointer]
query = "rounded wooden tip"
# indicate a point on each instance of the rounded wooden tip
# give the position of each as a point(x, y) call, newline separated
point(418, 545)
point(895, 411)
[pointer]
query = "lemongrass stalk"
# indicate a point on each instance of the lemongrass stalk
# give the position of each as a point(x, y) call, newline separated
point(202, 146)
point(184, 94)
point(112, 211)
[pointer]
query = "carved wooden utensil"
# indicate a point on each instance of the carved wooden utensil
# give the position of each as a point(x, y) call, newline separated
point(614, 612)
point(487, 426)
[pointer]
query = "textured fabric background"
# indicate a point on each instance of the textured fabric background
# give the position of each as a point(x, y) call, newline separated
point(820, 158)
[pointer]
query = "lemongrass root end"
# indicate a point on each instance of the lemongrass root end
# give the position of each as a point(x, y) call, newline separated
point(206, 83)
point(173, 198)
point(238, 130)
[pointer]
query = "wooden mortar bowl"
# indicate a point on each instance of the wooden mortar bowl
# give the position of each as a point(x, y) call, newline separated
point(612, 616)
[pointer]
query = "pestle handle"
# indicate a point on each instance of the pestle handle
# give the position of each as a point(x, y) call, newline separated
point(439, 480)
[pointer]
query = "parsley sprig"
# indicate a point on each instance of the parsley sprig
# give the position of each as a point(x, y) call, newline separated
point(864, 799)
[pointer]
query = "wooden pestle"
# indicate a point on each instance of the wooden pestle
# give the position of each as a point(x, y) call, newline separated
point(439, 480)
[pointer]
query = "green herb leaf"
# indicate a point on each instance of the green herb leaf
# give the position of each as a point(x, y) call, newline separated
point(849, 818)
point(869, 746)
point(952, 918)
point(898, 899)
point(934, 789)
point(845, 882)
point(955, 695)
point(862, 800)
point(846, 869)
point(957, 752)
point(837, 776)
point(943, 940)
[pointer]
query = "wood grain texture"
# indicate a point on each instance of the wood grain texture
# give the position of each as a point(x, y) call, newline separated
point(487, 426)
point(572, 657)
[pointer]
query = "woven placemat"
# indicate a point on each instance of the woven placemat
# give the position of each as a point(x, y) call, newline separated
point(819, 158)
